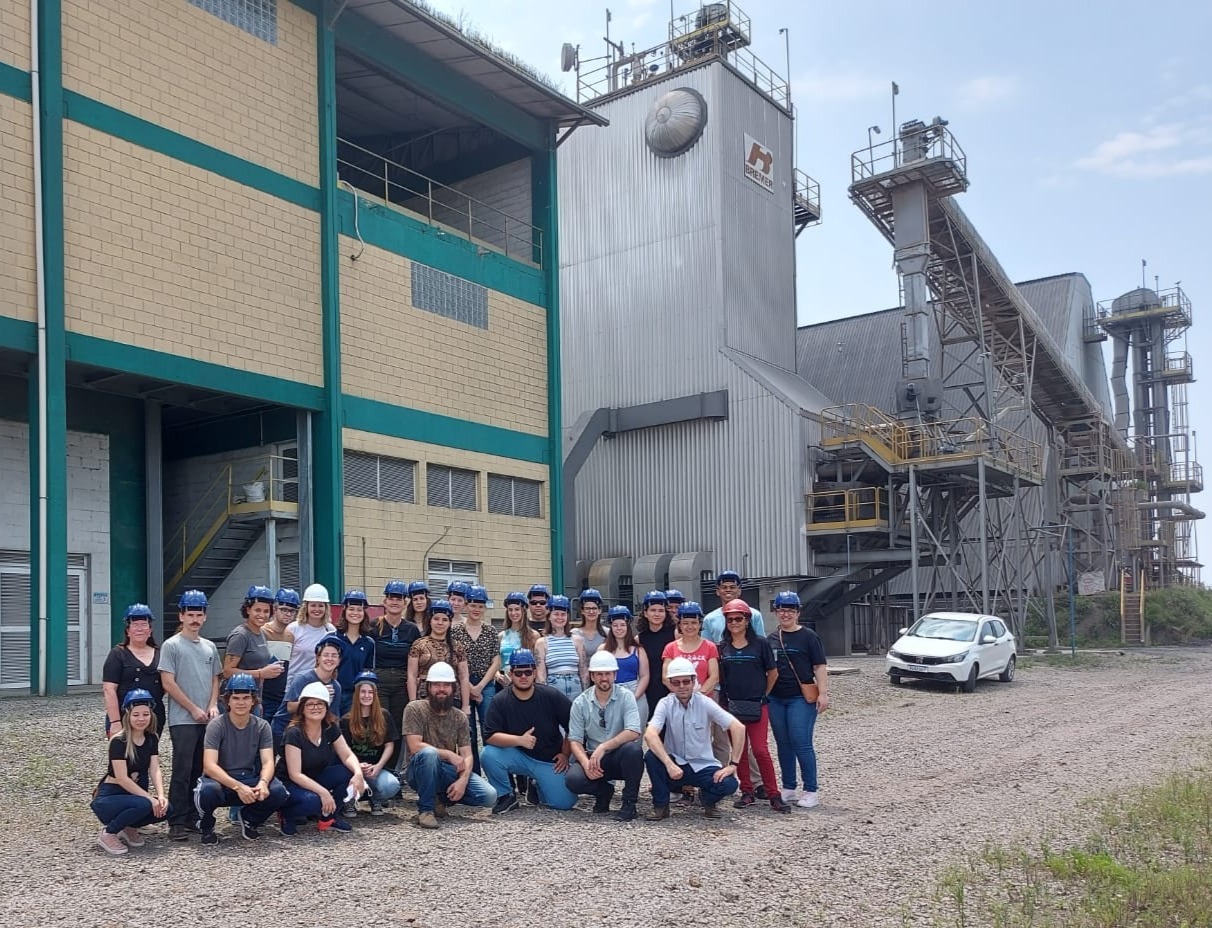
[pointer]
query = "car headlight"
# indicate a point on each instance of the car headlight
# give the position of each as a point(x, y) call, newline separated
point(955, 658)
point(895, 655)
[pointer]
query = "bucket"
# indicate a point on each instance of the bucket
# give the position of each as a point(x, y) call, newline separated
point(254, 492)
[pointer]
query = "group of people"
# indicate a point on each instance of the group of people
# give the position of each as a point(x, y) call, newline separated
point(307, 720)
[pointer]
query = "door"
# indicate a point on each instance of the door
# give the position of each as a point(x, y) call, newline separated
point(15, 597)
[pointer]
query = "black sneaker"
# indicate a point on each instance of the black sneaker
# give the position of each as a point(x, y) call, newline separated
point(177, 833)
point(760, 793)
point(626, 812)
point(350, 809)
point(532, 793)
point(506, 803)
point(601, 805)
point(248, 831)
point(209, 837)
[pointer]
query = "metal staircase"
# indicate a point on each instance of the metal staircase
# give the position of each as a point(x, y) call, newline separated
point(1132, 609)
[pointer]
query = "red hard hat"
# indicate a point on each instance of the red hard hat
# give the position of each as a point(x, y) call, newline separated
point(737, 605)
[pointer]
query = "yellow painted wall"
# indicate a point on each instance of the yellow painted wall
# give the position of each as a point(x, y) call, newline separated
point(17, 272)
point(170, 257)
point(399, 354)
point(14, 33)
point(513, 551)
point(180, 67)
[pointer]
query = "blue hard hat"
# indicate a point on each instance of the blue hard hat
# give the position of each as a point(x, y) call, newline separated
point(591, 596)
point(443, 606)
point(676, 597)
point(522, 657)
point(259, 594)
point(690, 608)
point(333, 640)
point(367, 676)
point(138, 697)
point(355, 598)
point(540, 589)
point(517, 596)
point(477, 594)
point(395, 588)
point(786, 600)
point(240, 683)
point(287, 597)
point(727, 576)
point(654, 596)
point(619, 612)
point(458, 588)
point(559, 602)
point(418, 586)
point(192, 599)
point(138, 611)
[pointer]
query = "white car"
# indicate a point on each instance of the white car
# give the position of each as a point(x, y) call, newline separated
point(953, 647)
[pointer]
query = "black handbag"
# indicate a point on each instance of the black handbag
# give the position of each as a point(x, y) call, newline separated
point(746, 710)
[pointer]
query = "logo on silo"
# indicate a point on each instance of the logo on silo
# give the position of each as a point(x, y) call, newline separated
point(759, 163)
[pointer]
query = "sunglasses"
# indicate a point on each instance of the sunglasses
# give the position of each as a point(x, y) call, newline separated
point(601, 716)
point(734, 618)
point(523, 672)
point(682, 681)
point(538, 602)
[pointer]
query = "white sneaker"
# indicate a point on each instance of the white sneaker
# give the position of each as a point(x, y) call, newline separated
point(787, 795)
point(808, 800)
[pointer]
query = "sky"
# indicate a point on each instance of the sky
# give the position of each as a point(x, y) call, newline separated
point(1088, 135)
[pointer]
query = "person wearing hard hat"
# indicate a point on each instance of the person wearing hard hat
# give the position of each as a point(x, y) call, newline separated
point(238, 764)
point(682, 757)
point(306, 631)
point(604, 736)
point(134, 664)
point(357, 646)
point(327, 660)
point(247, 648)
point(189, 672)
point(280, 642)
point(438, 741)
point(131, 794)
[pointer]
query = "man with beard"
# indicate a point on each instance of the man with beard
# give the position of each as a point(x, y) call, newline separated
point(604, 734)
point(525, 735)
point(438, 742)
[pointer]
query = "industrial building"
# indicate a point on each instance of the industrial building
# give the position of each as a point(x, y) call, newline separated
point(279, 305)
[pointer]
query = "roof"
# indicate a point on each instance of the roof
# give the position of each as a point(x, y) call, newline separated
point(788, 386)
point(443, 42)
point(856, 359)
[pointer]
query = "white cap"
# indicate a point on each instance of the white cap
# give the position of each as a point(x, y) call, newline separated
point(316, 593)
point(680, 667)
point(440, 672)
point(316, 690)
point(602, 660)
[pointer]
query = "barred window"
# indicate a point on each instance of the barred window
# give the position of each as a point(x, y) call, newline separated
point(373, 476)
point(441, 571)
point(258, 18)
point(513, 496)
point(451, 488)
point(453, 297)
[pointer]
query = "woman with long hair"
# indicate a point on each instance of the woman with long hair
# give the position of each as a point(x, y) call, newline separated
point(633, 662)
point(590, 633)
point(307, 630)
point(320, 768)
point(131, 794)
point(357, 646)
point(419, 604)
point(516, 635)
point(747, 674)
point(133, 664)
point(691, 644)
point(394, 638)
point(438, 644)
point(654, 630)
point(483, 648)
point(371, 734)
point(560, 657)
point(247, 648)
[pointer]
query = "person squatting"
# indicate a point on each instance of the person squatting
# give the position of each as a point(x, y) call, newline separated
point(309, 723)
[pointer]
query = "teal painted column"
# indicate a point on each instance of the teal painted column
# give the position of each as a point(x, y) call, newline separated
point(545, 210)
point(327, 479)
point(48, 505)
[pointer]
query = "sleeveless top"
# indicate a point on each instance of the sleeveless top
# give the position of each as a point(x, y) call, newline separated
point(629, 667)
point(562, 656)
point(303, 651)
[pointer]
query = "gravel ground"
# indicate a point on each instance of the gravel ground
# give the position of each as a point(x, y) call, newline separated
point(911, 778)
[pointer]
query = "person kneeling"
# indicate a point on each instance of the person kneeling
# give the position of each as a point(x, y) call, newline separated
point(238, 764)
point(604, 735)
point(684, 757)
point(320, 767)
point(131, 794)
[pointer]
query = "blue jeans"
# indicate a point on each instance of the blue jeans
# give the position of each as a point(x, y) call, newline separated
point(303, 803)
point(385, 786)
point(567, 683)
point(479, 713)
point(793, 720)
point(210, 795)
point(499, 763)
point(118, 809)
point(430, 776)
point(712, 792)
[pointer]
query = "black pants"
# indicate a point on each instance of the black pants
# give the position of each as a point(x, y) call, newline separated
point(393, 693)
point(187, 768)
point(210, 795)
point(624, 763)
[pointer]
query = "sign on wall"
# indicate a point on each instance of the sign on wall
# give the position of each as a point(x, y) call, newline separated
point(759, 163)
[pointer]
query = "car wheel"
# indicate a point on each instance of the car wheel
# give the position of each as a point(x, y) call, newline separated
point(969, 685)
point(894, 679)
point(1007, 674)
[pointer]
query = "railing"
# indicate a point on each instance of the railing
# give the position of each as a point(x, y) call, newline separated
point(928, 143)
point(807, 196)
point(1189, 473)
point(439, 205)
point(1092, 324)
point(857, 507)
point(1179, 365)
point(1173, 306)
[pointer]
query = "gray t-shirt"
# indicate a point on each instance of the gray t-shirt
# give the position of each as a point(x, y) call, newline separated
point(194, 664)
point(238, 748)
point(251, 647)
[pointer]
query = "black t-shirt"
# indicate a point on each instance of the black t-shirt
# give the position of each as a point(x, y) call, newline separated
point(805, 651)
point(366, 752)
point(316, 757)
point(393, 644)
point(138, 769)
point(125, 671)
point(546, 712)
point(654, 644)
point(743, 671)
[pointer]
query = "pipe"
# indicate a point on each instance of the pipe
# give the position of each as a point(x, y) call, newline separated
point(1185, 508)
point(1119, 385)
point(43, 400)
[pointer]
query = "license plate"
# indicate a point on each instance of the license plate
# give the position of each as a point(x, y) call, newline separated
point(921, 667)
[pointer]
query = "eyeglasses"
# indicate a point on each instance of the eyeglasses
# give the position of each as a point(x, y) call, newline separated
point(538, 602)
point(734, 618)
point(682, 681)
point(523, 671)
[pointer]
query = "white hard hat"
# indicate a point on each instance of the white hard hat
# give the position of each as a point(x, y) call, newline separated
point(316, 593)
point(602, 660)
point(316, 690)
point(440, 672)
point(680, 667)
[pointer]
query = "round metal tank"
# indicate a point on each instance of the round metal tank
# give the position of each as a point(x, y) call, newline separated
point(1134, 300)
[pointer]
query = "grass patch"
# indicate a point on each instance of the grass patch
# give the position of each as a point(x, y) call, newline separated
point(1148, 864)
point(1083, 660)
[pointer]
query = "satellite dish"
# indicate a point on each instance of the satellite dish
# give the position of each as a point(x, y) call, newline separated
point(568, 57)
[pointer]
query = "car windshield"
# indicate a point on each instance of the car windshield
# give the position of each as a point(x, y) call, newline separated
point(929, 626)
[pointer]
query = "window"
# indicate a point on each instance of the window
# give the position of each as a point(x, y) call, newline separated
point(372, 476)
point(513, 496)
point(451, 488)
point(453, 297)
point(440, 572)
point(256, 17)
point(288, 571)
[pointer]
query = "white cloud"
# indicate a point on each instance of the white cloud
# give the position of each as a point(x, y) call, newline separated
point(1160, 151)
point(839, 85)
point(987, 90)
